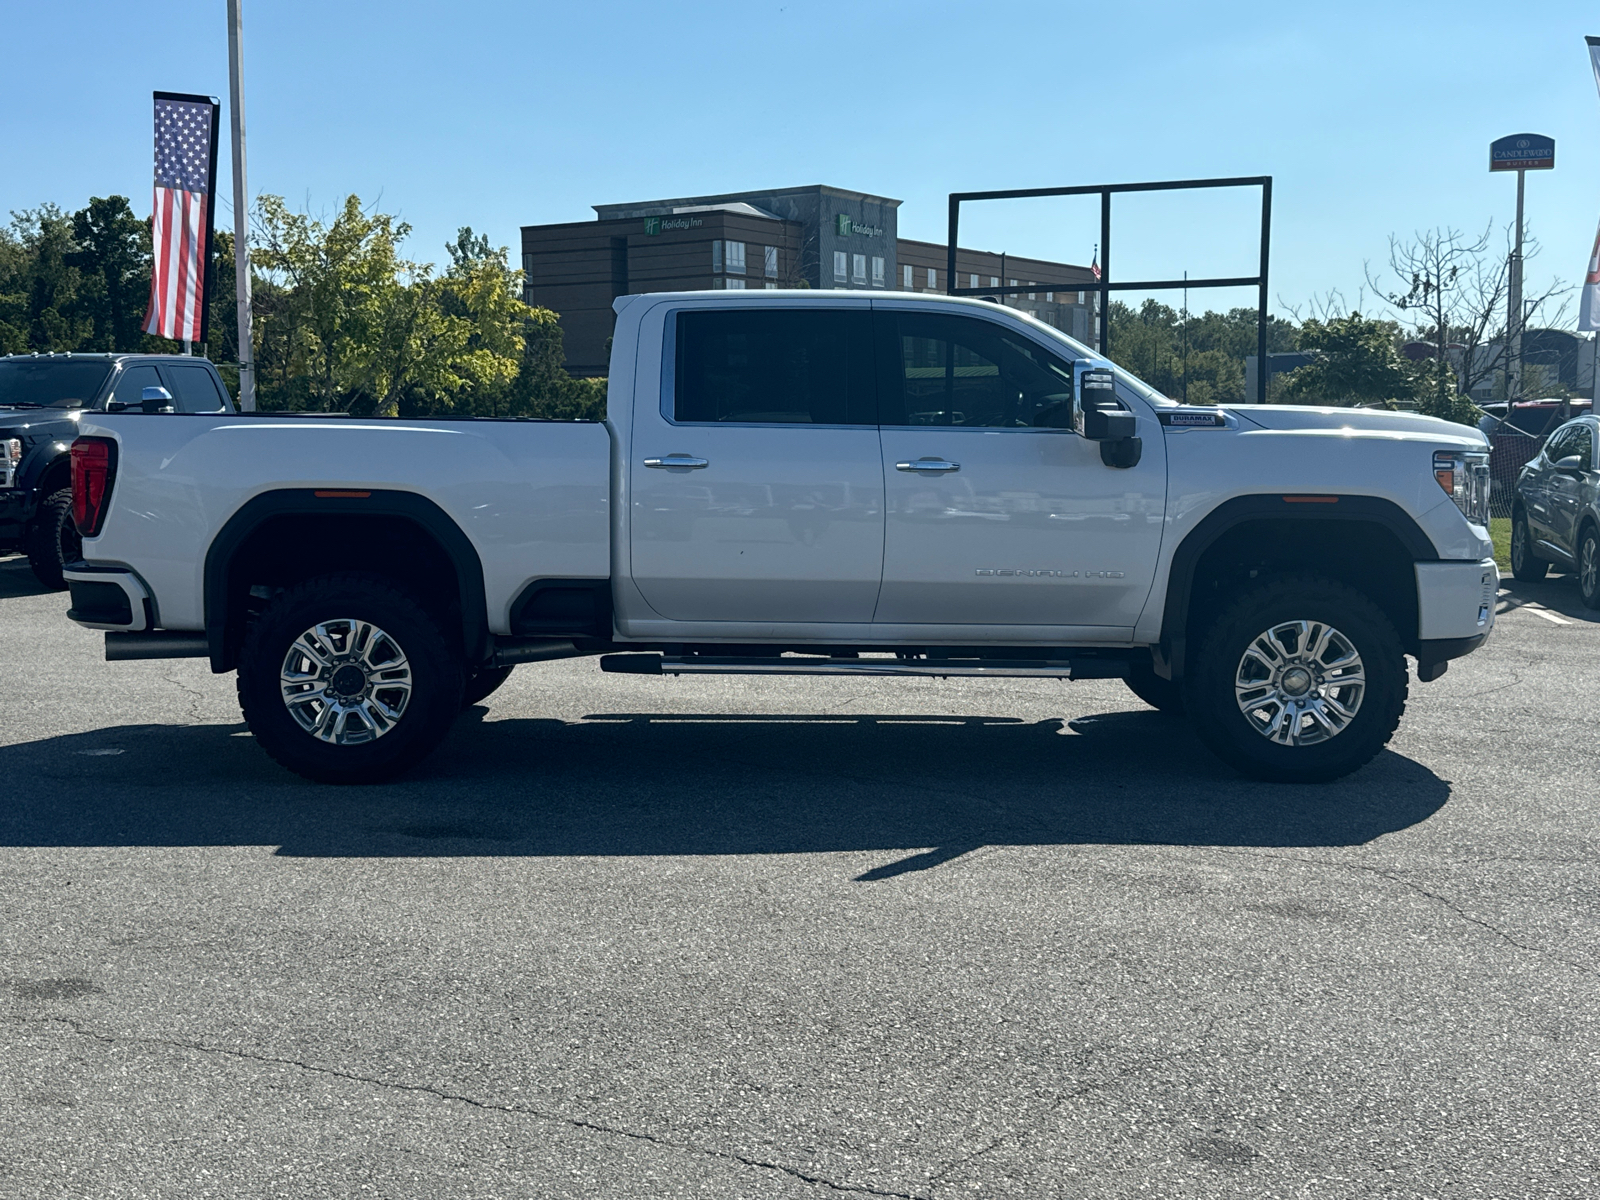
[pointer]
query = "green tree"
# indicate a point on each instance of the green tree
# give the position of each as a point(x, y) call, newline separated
point(1202, 357)
point(112, 255)
point(1355, 362)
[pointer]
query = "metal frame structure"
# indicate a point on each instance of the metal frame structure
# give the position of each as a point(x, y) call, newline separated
point(1105, 287)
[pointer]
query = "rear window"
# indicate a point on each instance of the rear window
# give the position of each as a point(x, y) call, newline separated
point(774, 366)
point(193, 388)
point(51, 382)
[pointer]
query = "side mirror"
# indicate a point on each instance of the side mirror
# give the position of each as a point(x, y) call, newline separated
point(156, 400)
point(1099, 416)
point(1572, 464)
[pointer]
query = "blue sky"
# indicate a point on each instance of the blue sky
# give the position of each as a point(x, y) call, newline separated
point(1373, 118)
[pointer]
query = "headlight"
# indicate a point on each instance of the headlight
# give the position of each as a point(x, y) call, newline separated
point(10, 457)
point(1464, 476)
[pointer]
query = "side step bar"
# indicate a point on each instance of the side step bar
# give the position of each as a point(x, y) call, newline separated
point(711, 664)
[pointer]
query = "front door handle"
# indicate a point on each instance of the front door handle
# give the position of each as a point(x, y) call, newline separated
point(678, 462)
point(928, 466)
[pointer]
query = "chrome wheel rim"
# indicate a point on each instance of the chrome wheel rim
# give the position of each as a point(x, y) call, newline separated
point(345, 682)
point(1519, 543)
point(1589, 566)
point(1300, 683)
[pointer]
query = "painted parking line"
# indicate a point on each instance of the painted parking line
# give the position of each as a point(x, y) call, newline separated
point(1547, 615)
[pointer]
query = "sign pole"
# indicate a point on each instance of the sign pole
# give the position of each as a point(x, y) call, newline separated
point(241, 208)
point(1514, 305)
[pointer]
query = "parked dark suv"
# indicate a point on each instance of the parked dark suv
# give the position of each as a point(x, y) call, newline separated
point(1555, 515)
point(41, 397)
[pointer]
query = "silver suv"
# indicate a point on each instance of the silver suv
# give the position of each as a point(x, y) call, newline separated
point(1555, 514)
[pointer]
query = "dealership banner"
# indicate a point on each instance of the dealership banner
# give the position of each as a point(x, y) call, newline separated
point(1589, 300)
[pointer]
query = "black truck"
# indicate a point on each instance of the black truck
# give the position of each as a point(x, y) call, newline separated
point(41, 399)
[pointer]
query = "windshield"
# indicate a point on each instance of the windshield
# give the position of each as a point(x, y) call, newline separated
point(1078, 350)
point(51, 382)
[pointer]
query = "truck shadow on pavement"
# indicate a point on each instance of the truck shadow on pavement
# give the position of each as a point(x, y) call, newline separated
point(669, 783)
point(1557, 594)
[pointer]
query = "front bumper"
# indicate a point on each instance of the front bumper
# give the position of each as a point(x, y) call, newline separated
point(1455, 611)
point(14, 516)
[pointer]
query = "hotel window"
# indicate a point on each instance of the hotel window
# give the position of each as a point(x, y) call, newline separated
point(1049, 297)
point(877, 271)
point(858, 268)
point(933, 278)
point(770, 256)
point(527, 265)
point(716, 255)
point(841, 266)
point(1032, 295)
point(974, 281)
point(906, 276)
point(736, 284)
point(769, 284)
point(735, 258)
point(994, 281)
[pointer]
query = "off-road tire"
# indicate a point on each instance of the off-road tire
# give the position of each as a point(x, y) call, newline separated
point(53, 539)
point(436, 678)
point(1213, 707)
point(1155, 691)
point(483, 681)
point(1525, 565)
point(1589, 566)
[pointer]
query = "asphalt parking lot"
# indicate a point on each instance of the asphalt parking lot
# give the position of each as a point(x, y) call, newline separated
point(627, 936)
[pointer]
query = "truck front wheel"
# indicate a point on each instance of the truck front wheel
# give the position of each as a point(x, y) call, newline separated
point(1300, 680)
point(348, 679)
point(53, 539)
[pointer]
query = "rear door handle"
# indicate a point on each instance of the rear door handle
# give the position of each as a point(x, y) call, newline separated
point(678, 462)
point(928, 466)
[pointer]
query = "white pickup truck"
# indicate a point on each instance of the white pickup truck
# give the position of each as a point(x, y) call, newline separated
point(801, 483)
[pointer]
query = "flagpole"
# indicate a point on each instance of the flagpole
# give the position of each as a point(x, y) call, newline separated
point(241, 208)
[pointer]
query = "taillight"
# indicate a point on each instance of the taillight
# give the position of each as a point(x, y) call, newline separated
point(94, 470)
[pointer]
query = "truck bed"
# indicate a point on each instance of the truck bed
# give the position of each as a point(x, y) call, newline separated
point(531, 496)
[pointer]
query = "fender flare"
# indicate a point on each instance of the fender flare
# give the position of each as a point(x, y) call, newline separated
point(1170, 652)
point(375, 503)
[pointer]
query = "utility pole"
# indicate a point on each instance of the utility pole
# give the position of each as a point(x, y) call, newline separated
point(241, 208)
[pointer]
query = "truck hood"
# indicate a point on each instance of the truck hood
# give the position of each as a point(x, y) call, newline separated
point(1296, 418)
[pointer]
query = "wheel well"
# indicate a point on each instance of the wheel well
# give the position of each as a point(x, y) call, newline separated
point(288, 548)
point(55, 476)
point(1365, 555)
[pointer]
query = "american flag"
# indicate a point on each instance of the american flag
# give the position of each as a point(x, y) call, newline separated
point(181, 225)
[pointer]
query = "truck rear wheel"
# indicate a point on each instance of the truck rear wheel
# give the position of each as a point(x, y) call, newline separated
point(348, 679)
point(53, 539)
point(1300, 680)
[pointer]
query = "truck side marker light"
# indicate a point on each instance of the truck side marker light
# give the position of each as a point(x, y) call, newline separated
point(341, 495)
point(1311, 499)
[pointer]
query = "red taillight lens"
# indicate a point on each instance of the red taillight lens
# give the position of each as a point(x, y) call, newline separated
point(94, 469)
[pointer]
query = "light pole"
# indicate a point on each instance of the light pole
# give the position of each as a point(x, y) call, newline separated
point(241, 209)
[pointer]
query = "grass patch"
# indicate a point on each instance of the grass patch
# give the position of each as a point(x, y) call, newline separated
point(1500, 531)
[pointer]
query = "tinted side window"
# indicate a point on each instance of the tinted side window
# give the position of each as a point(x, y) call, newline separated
point(1560, 443)
point(945, 370)
point(1582, 444)
point(132, 382)
point(193, 388)
point(775, 366)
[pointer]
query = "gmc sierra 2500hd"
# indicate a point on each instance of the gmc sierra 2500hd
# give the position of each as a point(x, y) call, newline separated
point(803, 483)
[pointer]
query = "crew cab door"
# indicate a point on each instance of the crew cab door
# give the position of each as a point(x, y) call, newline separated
point(995, 517)
point(756, 487)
